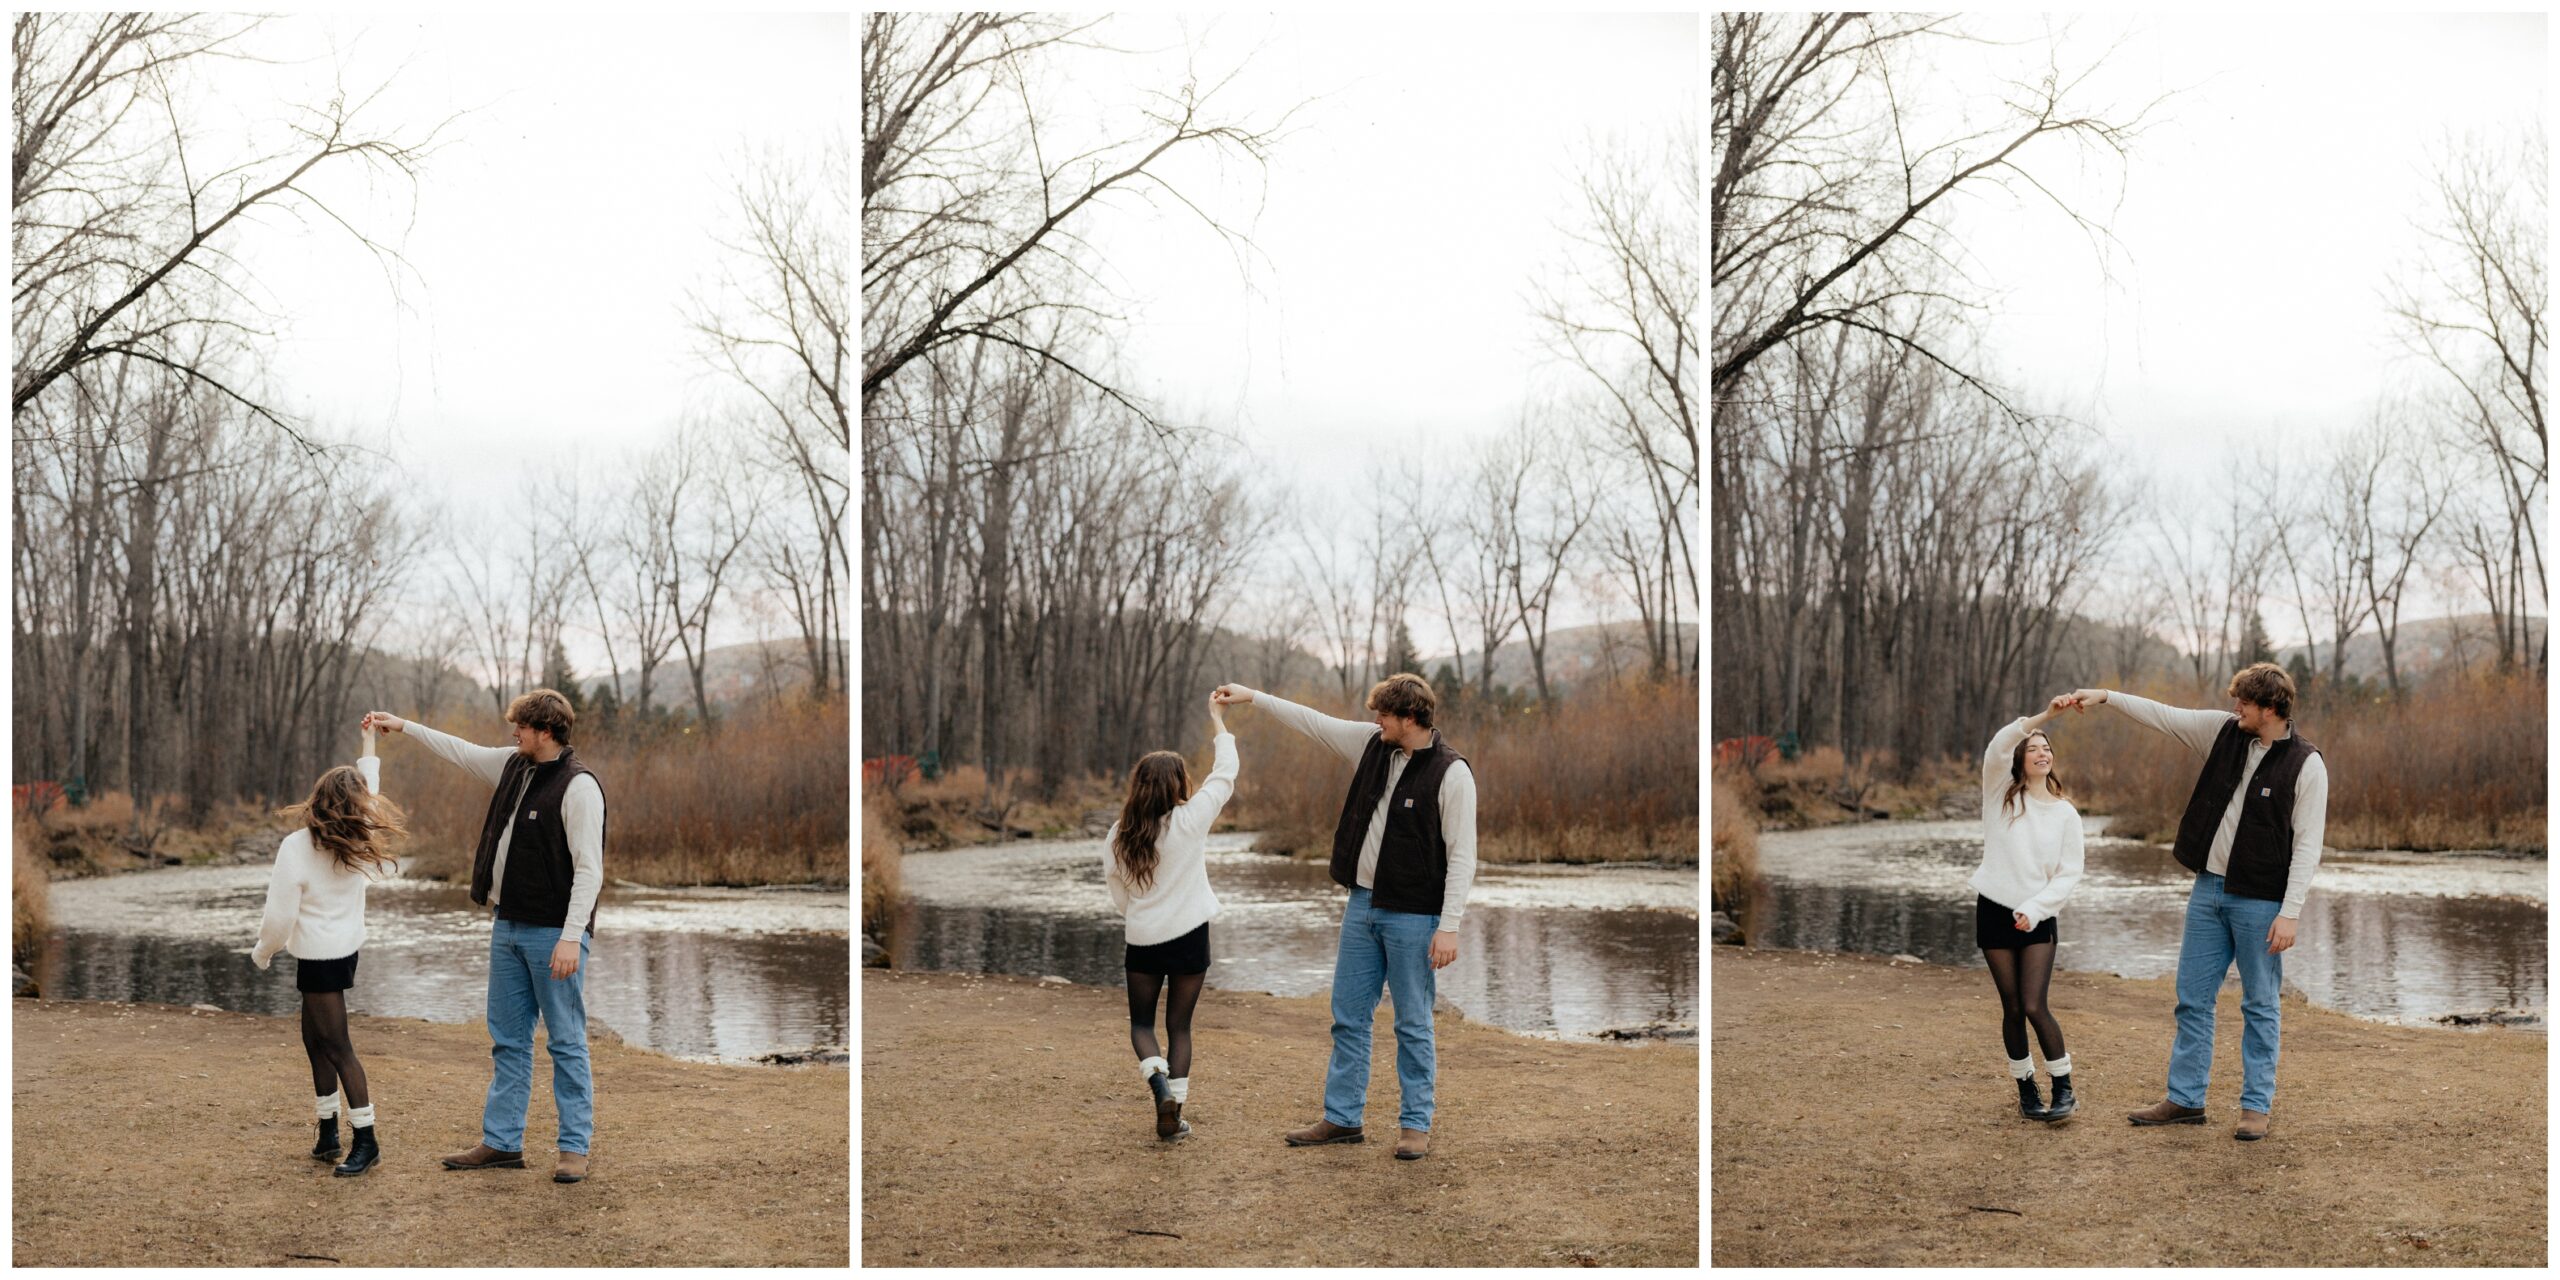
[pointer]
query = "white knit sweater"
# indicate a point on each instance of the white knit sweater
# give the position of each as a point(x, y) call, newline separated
point(1178, 900)
point(2031, 860)
point(315, 908)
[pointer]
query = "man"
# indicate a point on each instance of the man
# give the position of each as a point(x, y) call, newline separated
point(539, 864)
point(1405, 846)
point(2251, 833)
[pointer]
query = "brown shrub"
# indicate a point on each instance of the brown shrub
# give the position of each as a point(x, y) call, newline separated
point(2458, 763)
point(1608, 777)
point(763, 800)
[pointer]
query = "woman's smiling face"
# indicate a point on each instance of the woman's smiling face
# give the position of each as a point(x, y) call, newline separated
point(2038, 761)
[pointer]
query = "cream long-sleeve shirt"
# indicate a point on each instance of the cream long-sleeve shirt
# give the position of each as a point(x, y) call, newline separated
point(2032, 855)
point(315, 908)
point(1348, 739)
point(2197, 729)
point(1177, 899)
point(581, 813)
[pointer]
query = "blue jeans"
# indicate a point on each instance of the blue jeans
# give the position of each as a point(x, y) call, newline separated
point(521, 986)
point(2222, 929)
point(1390, 949)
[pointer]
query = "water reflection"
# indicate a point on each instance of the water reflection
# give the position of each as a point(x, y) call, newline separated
point(1537, 955)
point(707, 974)
point(2397, 937)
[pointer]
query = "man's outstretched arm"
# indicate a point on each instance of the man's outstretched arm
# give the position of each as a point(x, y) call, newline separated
point(1347, 738)
point(488, 763)
point(2192, 727)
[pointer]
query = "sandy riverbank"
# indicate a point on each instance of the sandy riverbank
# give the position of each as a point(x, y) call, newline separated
point(151, 1134)
point(1862, 1117)
point(1003, 1123)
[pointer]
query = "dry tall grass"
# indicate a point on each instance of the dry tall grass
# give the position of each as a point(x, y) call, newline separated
point(883, 852)
point(761, 801)
point(30, 918)
point(2457, 764)
point(1612, 776)
point(1735, 863)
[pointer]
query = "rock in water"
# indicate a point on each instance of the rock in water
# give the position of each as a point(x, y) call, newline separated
point(21, 983)
point(1722, 930)
point(874, 956)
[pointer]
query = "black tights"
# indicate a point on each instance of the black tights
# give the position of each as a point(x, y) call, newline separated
point(333, 1055)
point(2022, 976)
point(1178, 1005)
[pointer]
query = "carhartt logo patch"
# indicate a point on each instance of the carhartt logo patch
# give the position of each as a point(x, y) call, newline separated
point(2266, 791)
point(1408, 802)
point(531, 814)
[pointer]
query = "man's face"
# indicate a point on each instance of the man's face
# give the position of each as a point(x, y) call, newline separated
point(528, 741)
point(2254, 718)
point(1401, 730)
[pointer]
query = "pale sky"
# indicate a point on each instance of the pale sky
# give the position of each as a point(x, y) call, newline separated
point(1396, 232)
point(555, 234)
point(2262, 216)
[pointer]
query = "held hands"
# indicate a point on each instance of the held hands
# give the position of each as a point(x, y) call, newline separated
point(564, 958)
point(2083, 699)
point(383, 721)
point(1217, 715)
point(2280, 936)
point(1444, 948)
point(1228, 695)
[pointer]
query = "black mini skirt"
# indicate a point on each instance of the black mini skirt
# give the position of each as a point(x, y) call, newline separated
point(1184, 955)
point(1993, 930)
point(325, 975)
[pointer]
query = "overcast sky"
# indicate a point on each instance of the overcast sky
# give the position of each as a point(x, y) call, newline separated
point(553, 236)
point(1395, 233)
point(2262, 215)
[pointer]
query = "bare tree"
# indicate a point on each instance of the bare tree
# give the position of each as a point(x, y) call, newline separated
point(123, 227)
point(2474, 311)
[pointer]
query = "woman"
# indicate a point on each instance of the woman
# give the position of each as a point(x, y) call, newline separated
point(315, 909)
point(2031, 860)
point(1156, 868)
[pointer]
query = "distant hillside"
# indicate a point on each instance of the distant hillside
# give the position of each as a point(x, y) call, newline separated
point(2423, 645)
point(732, 674)
point(1574, 655)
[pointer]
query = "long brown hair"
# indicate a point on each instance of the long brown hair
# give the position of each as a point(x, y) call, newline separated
point(2018, 776)
point(1161, 781)
point(348, 822)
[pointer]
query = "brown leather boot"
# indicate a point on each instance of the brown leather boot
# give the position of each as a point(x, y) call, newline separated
point(1320, 1133)
point(2167, 1112)
point(2253, 1126)
point(572, 1168)
point(1412, 1144)
point(483, 1156)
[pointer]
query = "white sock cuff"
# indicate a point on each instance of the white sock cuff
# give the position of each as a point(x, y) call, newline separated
point(361, 1117)
point(2022, 1068)
point(1150, 1066)
point(2059, 1066)
point(1181, 1088)
point(325, 1106)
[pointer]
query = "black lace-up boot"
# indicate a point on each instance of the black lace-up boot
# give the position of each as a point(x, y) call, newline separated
point(327, 1147)
point(2030, 1103)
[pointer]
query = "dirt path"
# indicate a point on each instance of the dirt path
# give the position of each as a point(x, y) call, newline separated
point(1862, 1114)
point(150, 1134)
point(1003, 1122)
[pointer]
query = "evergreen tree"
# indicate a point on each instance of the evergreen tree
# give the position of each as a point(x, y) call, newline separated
point(1400, 654)
point(557, 674)
point(2253, 641)
point(2301, 672)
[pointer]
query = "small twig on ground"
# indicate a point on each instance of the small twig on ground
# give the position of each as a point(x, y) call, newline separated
point(312, 1257)
point(1136, 1232)
point(1984, 1208)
